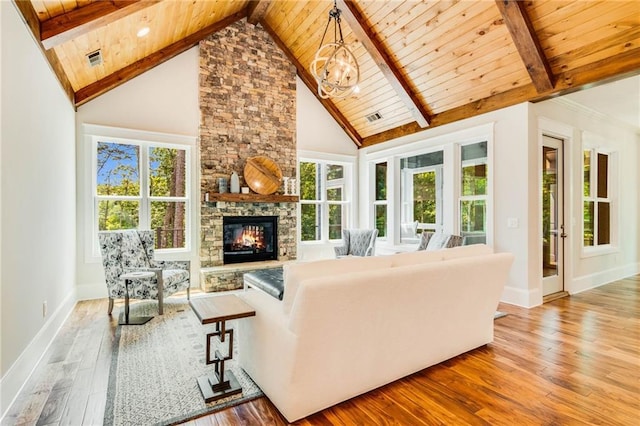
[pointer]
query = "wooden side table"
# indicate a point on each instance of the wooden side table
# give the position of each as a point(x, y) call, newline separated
point(128, 277)
point(219, 309)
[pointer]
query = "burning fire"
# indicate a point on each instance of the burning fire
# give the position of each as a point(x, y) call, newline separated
point(251, 236)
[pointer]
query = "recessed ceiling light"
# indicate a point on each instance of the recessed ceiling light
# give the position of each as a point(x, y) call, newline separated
point(143, 31)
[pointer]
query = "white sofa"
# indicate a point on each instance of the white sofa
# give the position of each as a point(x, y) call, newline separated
point(347, 326)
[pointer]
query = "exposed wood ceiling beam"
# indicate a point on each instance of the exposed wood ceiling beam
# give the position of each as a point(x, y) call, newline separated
point(82, 20)
point(604, 71)
point(381, 57)
point(526, 41)
point(256, 10)
point(312, 84)
point(31, 19)
point(143, 65)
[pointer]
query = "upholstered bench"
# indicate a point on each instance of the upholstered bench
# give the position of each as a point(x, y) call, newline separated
point(270, 281)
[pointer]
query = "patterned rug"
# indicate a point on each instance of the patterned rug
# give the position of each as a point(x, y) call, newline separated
point(154, 367)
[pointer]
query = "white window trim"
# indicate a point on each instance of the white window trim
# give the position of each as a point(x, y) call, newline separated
point(488, 197)
point(94, 133)
point(597, 145)
point(449, 143)
point(347, 183)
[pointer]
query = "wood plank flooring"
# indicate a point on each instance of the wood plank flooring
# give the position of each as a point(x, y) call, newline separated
point(572, 361)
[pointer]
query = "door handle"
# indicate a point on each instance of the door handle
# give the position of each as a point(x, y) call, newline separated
point(562, 233)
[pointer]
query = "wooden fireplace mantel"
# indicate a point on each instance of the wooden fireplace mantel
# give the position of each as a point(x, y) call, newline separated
point(252, 198)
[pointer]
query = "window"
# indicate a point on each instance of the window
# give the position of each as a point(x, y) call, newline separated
point(473, 192)
point(142, 185)
point(597, 198)
point(380, 205)
point(324, 200)
point(421, 192)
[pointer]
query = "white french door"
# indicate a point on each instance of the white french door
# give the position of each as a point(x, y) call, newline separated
point(553, 231)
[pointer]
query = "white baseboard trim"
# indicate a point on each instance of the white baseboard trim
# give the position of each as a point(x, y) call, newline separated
point(587, 282)
point(18, 374)
point(519, 297)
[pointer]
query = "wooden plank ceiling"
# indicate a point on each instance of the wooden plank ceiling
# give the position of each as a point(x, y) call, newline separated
point(422, 63)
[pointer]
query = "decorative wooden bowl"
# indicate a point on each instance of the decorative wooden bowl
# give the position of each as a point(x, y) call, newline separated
point(262, 175)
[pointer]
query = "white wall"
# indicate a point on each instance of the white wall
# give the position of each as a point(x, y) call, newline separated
point(164, 100)
point(316, 129)
point(38, 204)
point(320, 137)
point(588, 271)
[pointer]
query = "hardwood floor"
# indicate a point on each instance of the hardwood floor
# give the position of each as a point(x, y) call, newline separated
point(575, 360)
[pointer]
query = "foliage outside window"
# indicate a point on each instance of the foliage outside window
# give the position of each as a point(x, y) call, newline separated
point(142, 186)
point(421, 191)
point(473, 192)
point(380, 203)
point(323, 200)
point(597, 202)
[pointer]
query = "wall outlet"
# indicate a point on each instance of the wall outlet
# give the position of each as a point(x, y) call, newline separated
point(512, 222)
point(44, 309)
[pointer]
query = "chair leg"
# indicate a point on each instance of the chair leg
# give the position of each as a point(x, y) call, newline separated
point(188, 293)
point(110, 306)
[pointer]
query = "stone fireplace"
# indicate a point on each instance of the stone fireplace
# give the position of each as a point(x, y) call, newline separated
point(248, 108)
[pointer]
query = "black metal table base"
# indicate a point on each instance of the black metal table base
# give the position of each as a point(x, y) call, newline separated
point(213, 390)
point(124, 320)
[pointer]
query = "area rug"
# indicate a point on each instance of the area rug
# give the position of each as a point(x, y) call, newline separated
point(155, 366)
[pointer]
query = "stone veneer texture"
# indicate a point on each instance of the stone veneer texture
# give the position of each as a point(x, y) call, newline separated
point(247, 108)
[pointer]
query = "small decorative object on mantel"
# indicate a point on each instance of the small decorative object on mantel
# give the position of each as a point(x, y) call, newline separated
point(222, 185)
point(235, 183)
point(245, 189)
point(286, 185)
point(294, 187)
point(262, 175)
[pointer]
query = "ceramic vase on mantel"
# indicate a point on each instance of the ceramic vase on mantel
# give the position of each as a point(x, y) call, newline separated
point(235, 183)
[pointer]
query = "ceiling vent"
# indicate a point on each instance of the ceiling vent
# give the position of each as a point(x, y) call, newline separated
point(373, 117)
point(95, 58)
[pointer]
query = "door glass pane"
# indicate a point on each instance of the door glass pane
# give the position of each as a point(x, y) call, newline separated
point(114, 215)
point(424, 197)
point(586, 167)
point(309, 222)
point(168, 220)
point(588, 223)
point(167, 172)
point(549, 212)
point(118, 167)
point(381, 219)
point(603, 165)
point(603, 223)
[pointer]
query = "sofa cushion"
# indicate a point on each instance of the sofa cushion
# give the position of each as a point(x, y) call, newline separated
point(466, 251)
point(298, 272)
point(416, 257)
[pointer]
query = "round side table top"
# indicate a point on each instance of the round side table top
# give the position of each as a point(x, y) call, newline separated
point(137, 274)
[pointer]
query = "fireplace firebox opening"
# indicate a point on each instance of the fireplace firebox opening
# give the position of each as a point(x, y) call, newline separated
point(250, 238)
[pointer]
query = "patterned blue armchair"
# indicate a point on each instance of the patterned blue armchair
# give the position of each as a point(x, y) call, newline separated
point(132, 250)
point(357, 242)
